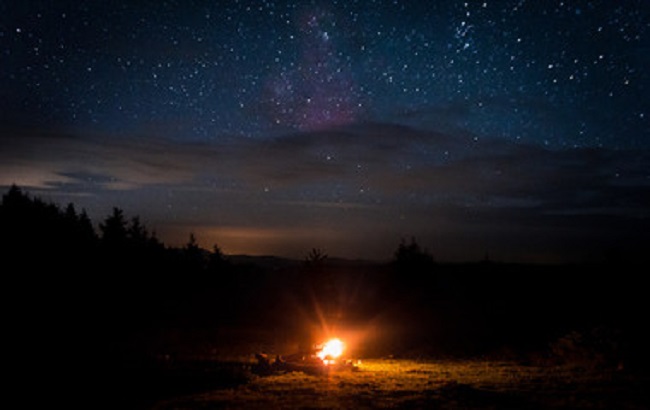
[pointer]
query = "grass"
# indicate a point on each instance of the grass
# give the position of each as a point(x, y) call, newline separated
point(415, 384)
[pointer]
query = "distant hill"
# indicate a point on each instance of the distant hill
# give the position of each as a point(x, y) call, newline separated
point(272, 263)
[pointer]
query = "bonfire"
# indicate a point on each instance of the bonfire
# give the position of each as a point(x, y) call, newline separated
point(331, 351)
point(321, 359)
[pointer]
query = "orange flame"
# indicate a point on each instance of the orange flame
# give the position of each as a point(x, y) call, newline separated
point(331, 350)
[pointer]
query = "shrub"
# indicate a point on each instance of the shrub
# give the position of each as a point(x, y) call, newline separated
point(600, 346)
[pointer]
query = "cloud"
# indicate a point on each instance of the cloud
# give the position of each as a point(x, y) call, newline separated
point(112, 163)
point(348, 184)
point(390, 162)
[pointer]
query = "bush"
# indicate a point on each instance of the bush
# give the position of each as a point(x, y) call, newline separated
point(600, 346)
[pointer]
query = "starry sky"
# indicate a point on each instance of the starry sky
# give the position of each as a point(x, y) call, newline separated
point(516, 128)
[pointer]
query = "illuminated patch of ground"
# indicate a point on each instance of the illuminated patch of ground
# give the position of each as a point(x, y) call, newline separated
point(446, 385)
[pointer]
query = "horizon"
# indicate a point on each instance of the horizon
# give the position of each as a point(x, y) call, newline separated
point(303, 253)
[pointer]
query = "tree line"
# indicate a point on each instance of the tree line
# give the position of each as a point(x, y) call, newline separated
point(123, 265)
point(56, 255)
point(50, 236)
point(43, 235)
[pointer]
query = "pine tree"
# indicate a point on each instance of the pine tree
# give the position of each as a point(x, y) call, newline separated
point(114, 231)
point(137, 233)
point(86, 230)
point(194, 254)
point(217, 259)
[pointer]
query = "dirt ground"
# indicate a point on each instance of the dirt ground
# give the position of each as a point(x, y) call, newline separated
point(472, 384)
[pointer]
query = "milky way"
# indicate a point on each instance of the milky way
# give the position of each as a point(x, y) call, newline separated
point(267, 125)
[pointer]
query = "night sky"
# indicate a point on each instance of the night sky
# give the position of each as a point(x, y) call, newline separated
point(514, 128)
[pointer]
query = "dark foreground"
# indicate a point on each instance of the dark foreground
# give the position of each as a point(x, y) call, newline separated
point(494, 336)
point(389, 383)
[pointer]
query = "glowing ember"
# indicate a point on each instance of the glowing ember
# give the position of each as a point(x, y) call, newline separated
point(332, 350)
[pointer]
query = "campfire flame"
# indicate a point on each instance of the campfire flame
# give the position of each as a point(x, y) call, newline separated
point(330, 351)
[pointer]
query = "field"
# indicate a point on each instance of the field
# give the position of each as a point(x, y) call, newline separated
point(388, 383)
point(510, 337)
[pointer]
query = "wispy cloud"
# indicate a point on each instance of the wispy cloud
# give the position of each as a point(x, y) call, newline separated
point(363, 179)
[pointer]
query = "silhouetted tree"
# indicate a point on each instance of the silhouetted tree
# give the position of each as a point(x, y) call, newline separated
point(137, 233)
point(44, 236)
point(71, 214)
point(414, 267)
point(192, 245)
point(411, 257)
point(315, 262)
point(114, 229)
point(77, 233)
point(154, 242)
point(79, 224)
point(322, 288)
point(16, 221)
point(194, 255)
point(217, 260)
point(15, 199)
point(85, 226)
point(315, 258)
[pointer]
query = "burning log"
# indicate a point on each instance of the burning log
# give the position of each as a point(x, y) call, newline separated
point(263, 367)
point(321, 360)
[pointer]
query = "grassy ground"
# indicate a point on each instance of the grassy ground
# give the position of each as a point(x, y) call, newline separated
point(445, 385)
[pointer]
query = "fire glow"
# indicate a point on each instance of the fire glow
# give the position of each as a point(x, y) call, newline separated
point(330, 351)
